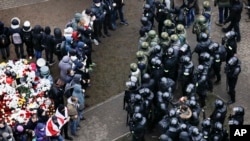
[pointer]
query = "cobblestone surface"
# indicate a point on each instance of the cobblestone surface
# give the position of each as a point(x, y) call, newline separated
point(6, 4)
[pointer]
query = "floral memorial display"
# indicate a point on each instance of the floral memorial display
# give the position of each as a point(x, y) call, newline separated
point(22, 91)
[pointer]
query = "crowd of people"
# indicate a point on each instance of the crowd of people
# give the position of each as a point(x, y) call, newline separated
point(73, 48)
point(165, 63)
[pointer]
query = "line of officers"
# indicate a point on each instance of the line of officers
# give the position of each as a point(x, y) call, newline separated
point(165, 61)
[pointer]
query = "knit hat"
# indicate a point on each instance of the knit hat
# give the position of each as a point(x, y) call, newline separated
point(40, 62)
point(26, 26)
point(47, 30)
point(40, 126)
point(19, 128)
point(87, 11)
point(15, 23)
point(44, 71)
point(68, 32)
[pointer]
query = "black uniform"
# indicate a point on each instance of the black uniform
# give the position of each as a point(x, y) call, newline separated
point(232, 70)
point(4, 41)
point(234, 18)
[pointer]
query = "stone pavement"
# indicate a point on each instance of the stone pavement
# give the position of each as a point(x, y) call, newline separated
point(106, 121)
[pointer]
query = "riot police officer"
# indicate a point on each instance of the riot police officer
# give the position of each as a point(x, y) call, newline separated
point(138, 127)
point(219, 112)
point(149, 13)
point(200, 25)
point(169, 27)
point(232, 70)
point(186, 73)
point(164, 42)
point(145, 27)
point(200, 81)
point(170, 64)
point(148, 82)
point(237, 118)
point(230, 43)
point(142, 61)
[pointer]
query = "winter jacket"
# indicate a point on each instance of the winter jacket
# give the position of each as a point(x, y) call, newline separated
point(4, 34)
point(37, 38)
point(5, 132)
point(72, 108)
point(78, 92)
point(64, 66)
point(40, 132)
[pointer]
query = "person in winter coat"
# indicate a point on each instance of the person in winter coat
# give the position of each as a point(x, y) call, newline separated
point(56, 93)
point(47, 44)
point(65, 67)
point(53, 128)
point(79, 93)
point(40, 132)
point(16, 37)
point(81, 69)
point(30, 126)
point(6, 132)
point(19, 132)
point(42, 116)
point(72, 105)
point(37, 41)
point(57, 41)
point(27, 38)
point(4, 41)
point(62, 112)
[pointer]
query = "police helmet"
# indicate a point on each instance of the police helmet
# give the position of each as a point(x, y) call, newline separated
point(180, 28)
point(152, 33)
point(157, 49)
point(146, 6)
point(174, 37)
point(213, 47)
point(146, 77)
point(230, 34)
point(192, 103)
point(204, 56)
point(153, 43)
point(195, 131)
point(167, 22)
point(164, 35)
point(201, 19)
point(164, 137)
point(144, 45)
point(139, 54)
point(133, 67)
point(145, 92)
point(206, 4)
point(130, 84)
point(158, 62)
point(170, 51)
point(200, 68)
point(218, 126)
point(233, 61)
point(239, 110)
point(138, 98)
point(137, 117)
point(218, 103)
point(185, 59)
point(183, 127)
point(203, 36)
point(206, 123)
point(144, 20)
point(167, 96)
point(174, 121)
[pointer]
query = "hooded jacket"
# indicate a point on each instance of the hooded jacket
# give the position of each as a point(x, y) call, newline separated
point(64, 66)
point(37, 38)
point(78, 92)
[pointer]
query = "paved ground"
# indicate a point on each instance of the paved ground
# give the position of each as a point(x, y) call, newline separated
point(106, 121)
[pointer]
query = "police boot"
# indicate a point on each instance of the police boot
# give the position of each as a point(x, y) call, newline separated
point(230, 102)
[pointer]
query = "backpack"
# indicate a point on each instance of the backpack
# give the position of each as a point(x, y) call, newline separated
point(44, 41)
point(17, 38)
point(223, 53)
point(68, 90)
point(60, 47)
point(4, 41)
point(26, 36)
